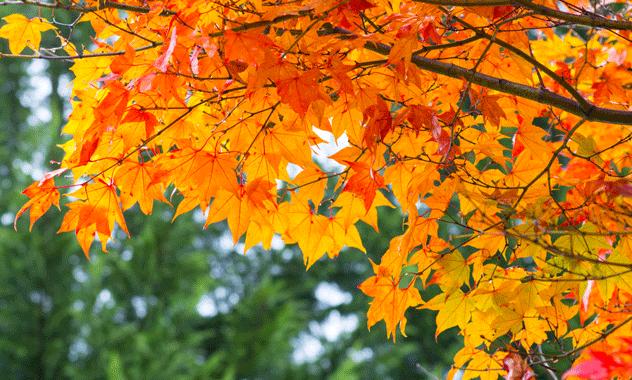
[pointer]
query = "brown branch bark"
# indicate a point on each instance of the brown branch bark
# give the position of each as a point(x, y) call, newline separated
point(588, 19)
point(535, 63)
point(590, 112)
point(577, 107)
point(82, 9)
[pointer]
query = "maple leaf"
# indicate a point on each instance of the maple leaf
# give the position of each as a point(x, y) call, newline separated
point(406, 44)
point(96, 212)
point(353, 209)
point(307, 182)
point(308, 229)
point(454, 310)
point(378, 121)
point(390, 302)
point(239, 205)
point(198, 172)
point(491, 110)
point(590, 369)
point(517, 368)
point(163, 61)
point(340, 71)
point(506, 147)
point(43, 194)
point(531, 138)
point(124, 62)
point(364, 183)
point(85, 71)
point(452, 272)
point(110, 109)
point(607, 360)
point(249, 46)
point(131, 132)
point(349, 11)
point(300, 91)
point(135, 182)
point(22, 32)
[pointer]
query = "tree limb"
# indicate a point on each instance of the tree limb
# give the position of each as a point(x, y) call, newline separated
point(590, 19)
point(540, 95)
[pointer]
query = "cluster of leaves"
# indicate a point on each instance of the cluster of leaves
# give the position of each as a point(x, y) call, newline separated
point(132, 313)
point(506, 119)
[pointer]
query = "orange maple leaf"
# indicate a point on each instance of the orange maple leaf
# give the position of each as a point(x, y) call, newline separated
point(390, 302)
point(307, 229)
point(364, 182)
point(198, 173)
point(96, 211)
point(135, 182)
point(43, 194)
point(248, 47)
point(239, 205)
point(378, 121)
point(300, 91)
point(492, 111)
point(405, 45)
point(122, 63)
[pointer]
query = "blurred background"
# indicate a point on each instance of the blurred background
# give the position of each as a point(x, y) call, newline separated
point(175, 301)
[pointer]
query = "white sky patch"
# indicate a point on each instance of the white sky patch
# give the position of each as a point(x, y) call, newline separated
point(206, 306)
point(307, 346)
point(80, 275)
point(330, 295)
point(293, 170)
point(140, 306)
point(359, 356)
point(103, 299)
point(78, 305)
point(36, 67)
point(65, 89)
point(453, 229)
point(225, 242)
point(561, 6)
point(307, 349)
point(334, 326)
point(42, 115)
point(40, 89)
point(277, 243)
point(199, 216)
point(322, 151)
point(127, 254)
point(7, 219)
point(78, 349)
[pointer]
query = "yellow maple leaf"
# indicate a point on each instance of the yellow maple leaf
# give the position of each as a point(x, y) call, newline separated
point(454, 310)
point(22, 32)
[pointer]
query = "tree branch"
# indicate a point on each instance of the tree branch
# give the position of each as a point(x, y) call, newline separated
point(590, 19)
point(540, 95)
point(103, 4)
point(466, 3)
point(572, 91)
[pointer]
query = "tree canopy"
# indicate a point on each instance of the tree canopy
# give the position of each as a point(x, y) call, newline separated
point(504, 122)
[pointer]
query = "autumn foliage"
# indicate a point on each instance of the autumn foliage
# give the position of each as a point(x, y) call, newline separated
point(507, 120)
